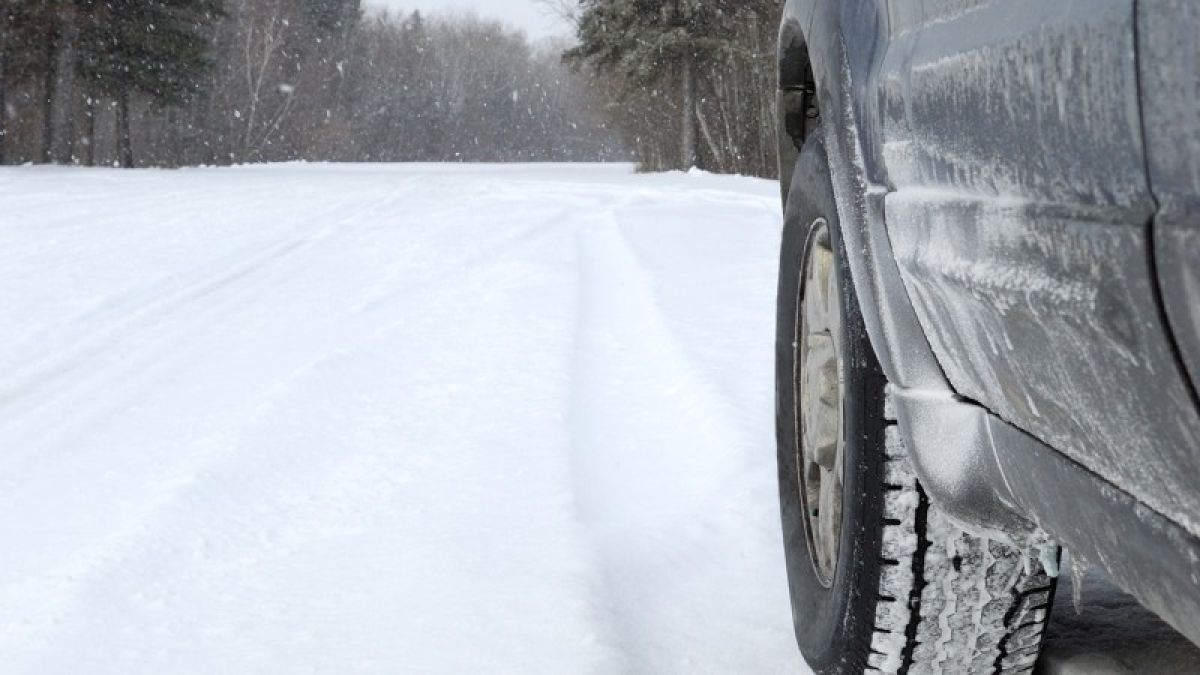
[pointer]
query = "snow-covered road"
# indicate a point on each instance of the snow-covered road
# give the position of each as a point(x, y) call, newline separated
point(334, 419)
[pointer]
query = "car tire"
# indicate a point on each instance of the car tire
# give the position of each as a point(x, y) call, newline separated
point(887, 583)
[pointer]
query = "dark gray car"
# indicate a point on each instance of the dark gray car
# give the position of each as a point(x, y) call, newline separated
point(989, 320)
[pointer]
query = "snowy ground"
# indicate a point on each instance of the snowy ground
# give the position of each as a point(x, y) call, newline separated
point(388, 419)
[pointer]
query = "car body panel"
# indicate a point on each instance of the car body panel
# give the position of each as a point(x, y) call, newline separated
point(1169, 62)
point(1019, 218)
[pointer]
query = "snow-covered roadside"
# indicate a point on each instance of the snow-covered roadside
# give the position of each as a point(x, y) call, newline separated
point(320, 418)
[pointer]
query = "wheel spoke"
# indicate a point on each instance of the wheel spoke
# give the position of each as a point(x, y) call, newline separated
point(829, 519)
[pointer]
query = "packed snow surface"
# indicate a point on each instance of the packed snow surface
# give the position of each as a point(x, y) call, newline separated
point(435, 419)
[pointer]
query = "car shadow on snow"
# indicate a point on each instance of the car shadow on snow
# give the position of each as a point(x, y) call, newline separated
point(1111, 634)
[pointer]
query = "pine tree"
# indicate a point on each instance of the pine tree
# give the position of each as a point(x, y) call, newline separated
point(323, 50)
point(330, 17)
point(678, 72)
point(29, 40)
point(650, 42)
point(155, 48)
point(18, 35)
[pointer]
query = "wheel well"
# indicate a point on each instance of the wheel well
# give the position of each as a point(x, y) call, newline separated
point(799, 110)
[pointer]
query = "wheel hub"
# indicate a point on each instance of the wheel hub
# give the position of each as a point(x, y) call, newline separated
point(819, 394)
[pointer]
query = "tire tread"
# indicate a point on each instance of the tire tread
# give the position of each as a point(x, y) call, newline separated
point(971, 604)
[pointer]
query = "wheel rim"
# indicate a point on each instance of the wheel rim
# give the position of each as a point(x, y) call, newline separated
point(819, 401)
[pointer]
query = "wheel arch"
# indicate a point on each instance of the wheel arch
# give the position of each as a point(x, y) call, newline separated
point(840, 45)
point(796, 92)
point(827, 51)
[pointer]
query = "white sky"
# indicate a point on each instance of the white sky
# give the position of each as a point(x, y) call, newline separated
point(528, 15)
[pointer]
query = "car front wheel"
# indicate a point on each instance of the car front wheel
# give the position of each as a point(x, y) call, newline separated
point(880, 579)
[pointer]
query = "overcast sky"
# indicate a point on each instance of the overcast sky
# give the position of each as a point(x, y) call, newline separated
point(525, 14)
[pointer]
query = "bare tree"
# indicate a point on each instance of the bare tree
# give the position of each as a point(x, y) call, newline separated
point(267, 100)
point(567, 10)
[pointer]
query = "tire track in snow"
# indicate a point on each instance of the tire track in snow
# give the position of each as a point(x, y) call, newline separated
point(233, 285)
point(653, 463)
point(204, 477)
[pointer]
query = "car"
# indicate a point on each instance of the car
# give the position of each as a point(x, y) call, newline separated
point(988, 344)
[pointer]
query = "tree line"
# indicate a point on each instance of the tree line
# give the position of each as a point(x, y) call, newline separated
point(689, 82)
point(186, 82)
point(671, 83)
